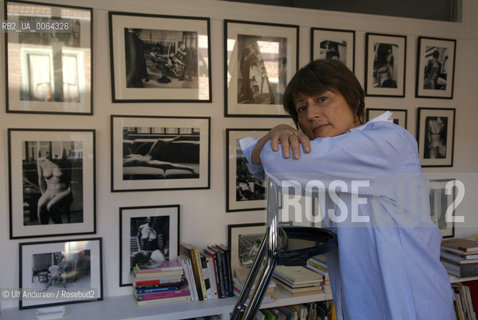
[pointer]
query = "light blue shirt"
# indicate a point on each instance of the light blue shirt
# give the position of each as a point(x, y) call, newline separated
point(375, 198)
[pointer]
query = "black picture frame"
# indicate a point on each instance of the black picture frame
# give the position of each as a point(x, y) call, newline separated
point(52, 268)
point(334, 44)
point(399, 115)
point(435, 68)
point(244, 242)
point(442, 198)
point(162, 221)
point(385, 61)
point(435, 135)
point(159, 153)
point(175, 62)
point(248, 45)
point(52, 182)
point(43, 80)
point(244, 192)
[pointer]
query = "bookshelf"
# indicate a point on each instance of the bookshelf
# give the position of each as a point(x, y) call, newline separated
point(124, 307)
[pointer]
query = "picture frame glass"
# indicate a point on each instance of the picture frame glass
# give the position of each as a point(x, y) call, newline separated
point(260, 60)
point(334, 44)
point(62, 272)
point(385, 65)
point(436, 67)
point(147, 234)
point(52, 182)
point(159, 153)
point(441, 201)
point(244, 191)
point(436, 137)
point(159, 58)
point(49, 72)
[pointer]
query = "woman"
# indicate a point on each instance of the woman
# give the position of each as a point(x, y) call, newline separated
point(387, 262)
point(54, 180)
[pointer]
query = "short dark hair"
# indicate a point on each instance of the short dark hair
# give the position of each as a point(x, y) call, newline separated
point(319, 76)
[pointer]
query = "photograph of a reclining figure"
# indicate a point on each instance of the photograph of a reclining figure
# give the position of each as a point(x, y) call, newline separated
point(160, 153)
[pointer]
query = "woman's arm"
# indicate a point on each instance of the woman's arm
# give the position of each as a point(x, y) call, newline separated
point(288, 137)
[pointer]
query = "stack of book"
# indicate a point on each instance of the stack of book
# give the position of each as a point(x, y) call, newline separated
point(298, 281)
point(319, 265)
point(159, 282)
point(240, 277)
point(460, 256)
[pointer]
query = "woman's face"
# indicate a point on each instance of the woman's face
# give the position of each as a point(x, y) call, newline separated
point(324, 115)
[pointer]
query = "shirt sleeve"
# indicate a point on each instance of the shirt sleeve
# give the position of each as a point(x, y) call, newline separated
point(379, 150)
point(247, 145)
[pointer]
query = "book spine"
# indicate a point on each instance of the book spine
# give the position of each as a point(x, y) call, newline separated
point(156, 290)
point(162, 295)
point(220, 274)
point(227, 255)
point(198, 273)
point(161, 301)
point(205, 272)
point(212, 277)
point(213, 255)
point(157, 282)
point(227, 288)
point(186, 263)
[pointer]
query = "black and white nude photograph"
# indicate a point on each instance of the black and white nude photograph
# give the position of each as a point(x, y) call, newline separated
point(436, 129)
point(151, 153)
point(435, 67)
point(435, 73)
point(262, 69)
point(385, 65)
point(149, 239)
point(52, 182)
point(161, 58)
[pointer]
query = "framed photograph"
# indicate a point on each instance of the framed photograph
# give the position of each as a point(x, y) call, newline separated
point(260, 59)
point(157, 58)
point(385, 65)
point(435, 68)
point(51, 182)
point(49, 72)
point(399, 115)
point(159, 153)
point(333, 44)
point(244, 191)
point(440, 202)
point(60, 272)
point(436, 134)
point(244, 241)
point(147, 234)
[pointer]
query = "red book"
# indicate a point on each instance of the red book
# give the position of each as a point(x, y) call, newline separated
point(162, 295)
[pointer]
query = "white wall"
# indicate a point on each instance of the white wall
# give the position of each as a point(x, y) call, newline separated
point(203, 216)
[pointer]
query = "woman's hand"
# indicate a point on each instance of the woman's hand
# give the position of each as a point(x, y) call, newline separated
point(289, 138)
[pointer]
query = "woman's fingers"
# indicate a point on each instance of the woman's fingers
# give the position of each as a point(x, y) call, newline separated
point(290, 140)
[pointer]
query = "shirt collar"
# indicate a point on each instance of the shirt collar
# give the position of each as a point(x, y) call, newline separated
point(386, 116)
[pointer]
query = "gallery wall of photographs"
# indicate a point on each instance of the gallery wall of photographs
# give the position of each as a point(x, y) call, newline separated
point(166, 59)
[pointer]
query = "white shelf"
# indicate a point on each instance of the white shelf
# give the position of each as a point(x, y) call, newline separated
point(124, 307)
